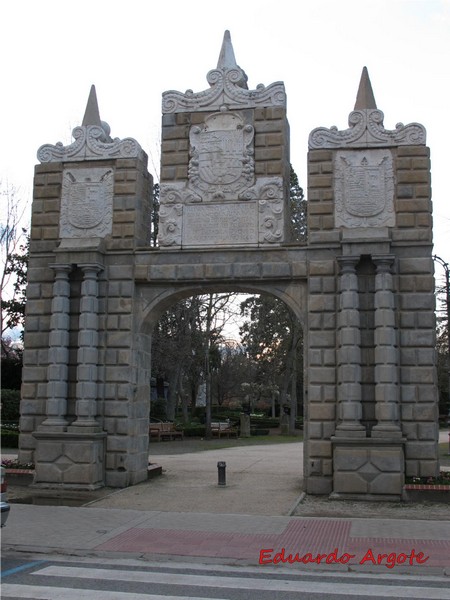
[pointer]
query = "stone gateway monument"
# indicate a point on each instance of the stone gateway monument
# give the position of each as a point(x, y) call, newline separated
point(362, 287)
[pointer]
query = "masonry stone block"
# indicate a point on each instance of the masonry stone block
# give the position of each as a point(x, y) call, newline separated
point(117, 443)
point(349, 483)
point(315, 430)
point(428, 468)
point(319, 485)
point(428, 431)
point(320, 449)
point(219, 271)
point(421, 450)
point(387, 484)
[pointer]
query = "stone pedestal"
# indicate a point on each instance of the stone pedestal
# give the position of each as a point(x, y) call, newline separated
point(368, 469)
point(70, 460)
point(245, 425)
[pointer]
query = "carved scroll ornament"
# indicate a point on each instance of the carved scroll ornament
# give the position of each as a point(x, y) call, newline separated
point(366, 130)
point(91, 143)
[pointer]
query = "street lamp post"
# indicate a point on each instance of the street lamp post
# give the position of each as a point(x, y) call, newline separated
point(447, 300)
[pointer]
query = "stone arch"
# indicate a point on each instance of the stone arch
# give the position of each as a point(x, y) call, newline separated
point(293, 297)
point(162, 300)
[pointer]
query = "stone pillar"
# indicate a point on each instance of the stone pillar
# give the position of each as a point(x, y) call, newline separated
point(58, 354)
point(87, 357)
point(386, 352)
point(349, 352)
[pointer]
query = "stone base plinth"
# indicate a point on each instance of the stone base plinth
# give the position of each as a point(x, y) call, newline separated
point(69, 460)
point(368, 469)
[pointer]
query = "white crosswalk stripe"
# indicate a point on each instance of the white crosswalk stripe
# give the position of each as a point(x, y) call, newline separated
point(60, 593)
point(225, 582)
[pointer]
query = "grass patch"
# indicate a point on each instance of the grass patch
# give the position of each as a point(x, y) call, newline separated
point(202, 445)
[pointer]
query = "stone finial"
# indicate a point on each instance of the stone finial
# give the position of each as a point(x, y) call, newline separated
point(365, 98)
point(366, 128)
point(227, 60)
point(92, 140)
point(92, 114)
point(228, 91)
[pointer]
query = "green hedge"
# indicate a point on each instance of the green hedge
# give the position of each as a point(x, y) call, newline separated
point(10, 438)
point(259, 431)
point(265, 422)
point(10, 405)
point(193, 430)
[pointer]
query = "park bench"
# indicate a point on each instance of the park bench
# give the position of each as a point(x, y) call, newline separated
point(164, 431)
point(223, 430)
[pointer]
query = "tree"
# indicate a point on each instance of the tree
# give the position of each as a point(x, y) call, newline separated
point(273, 338)
point(186, 348)
point(11, 371)
point(443, 340)
point(298, 208)
point(173, 355)
point(232, 369)
point(155, 216)
point(14, 245)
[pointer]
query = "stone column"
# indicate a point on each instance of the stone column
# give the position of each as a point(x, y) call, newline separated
point(349, 352)
point(87, 357)
point(58, 353)
point(386, 352)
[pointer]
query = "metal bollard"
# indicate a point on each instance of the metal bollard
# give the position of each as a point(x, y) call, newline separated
point(221, 467)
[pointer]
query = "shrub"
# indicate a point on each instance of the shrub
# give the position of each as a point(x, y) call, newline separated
point(11, 371)
point(259, 431)
point(10, 405)
point(10, 438)
point(158, 409)
point(264, 421)
point(193, 430)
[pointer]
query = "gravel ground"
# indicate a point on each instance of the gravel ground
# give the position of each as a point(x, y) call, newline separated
point(319, 506)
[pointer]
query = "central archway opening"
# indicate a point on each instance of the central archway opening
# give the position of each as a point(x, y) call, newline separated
point(219, 355)
point(224, 358)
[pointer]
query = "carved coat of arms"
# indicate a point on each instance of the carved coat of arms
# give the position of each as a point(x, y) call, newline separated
point(222, 163)
point(364, 189)
point(86, 203)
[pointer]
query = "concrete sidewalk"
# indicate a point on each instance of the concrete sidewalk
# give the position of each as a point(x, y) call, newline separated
point(352, 544)
point(260, 512)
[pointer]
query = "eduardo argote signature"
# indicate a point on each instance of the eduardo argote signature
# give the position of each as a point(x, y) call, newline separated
point(267, 556)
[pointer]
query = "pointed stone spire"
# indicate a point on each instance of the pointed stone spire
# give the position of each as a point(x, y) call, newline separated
point(227, 59)
point(365, 100)
point(92, 114)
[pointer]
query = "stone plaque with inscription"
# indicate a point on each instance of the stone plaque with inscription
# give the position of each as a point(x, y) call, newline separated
point(220, 224)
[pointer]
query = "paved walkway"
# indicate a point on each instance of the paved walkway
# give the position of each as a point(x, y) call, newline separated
point(184, 513)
